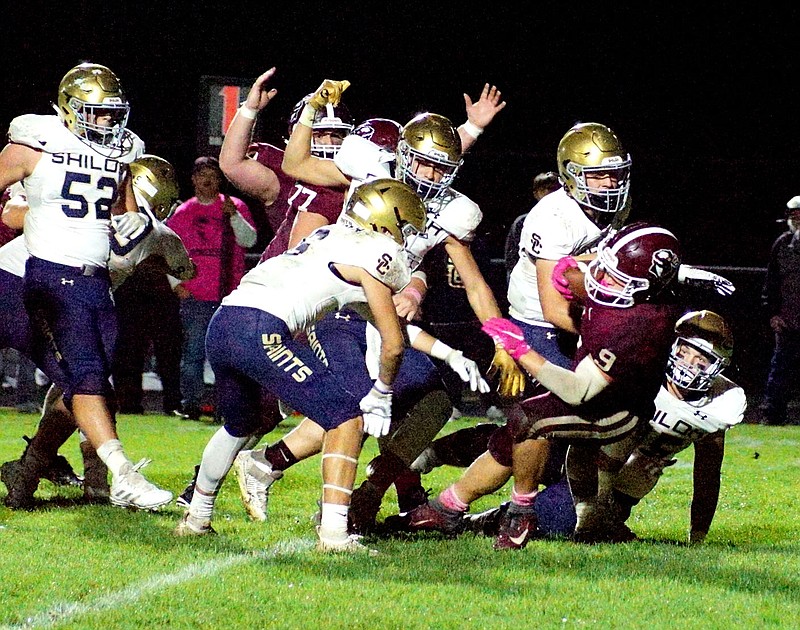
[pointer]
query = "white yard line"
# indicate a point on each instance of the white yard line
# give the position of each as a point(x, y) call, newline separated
point(64, 611)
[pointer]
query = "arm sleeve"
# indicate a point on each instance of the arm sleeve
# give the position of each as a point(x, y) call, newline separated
point(575, 387)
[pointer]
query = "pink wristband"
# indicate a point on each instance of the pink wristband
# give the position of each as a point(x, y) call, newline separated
point(414, 293)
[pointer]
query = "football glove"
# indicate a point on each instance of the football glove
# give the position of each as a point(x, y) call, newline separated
point(376, 408)
point(694, 277)
point(130, 225)
point(511, 380)
point(329, 92)
point(557, 277)
point(506, 334)
point(468, 370)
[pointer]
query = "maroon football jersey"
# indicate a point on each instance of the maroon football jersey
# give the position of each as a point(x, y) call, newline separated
point(631, 345)
point(294, 197)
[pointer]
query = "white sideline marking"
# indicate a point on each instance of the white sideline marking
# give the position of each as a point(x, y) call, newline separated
point(64, 611)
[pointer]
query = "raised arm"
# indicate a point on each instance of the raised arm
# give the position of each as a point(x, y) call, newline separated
point(479, 114)
point(298, 162)
point(246, 174)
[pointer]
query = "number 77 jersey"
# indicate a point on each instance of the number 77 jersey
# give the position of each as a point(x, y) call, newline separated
point(70, 192)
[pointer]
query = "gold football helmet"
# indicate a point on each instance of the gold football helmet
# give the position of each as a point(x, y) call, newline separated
point(707, 333)
point(432, 140)
point(594, 148)
point(156, 182)
point(90, 91)
point(387, 206)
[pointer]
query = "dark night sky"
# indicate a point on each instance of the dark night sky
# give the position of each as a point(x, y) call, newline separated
point(703, 99)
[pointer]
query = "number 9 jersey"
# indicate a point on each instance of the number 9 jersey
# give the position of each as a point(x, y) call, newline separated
point(70, 192)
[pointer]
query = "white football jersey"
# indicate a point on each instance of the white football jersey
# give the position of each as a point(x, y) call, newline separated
point(722, 408)
point(300, 286)
point(449, 214)
point(70, 192)
point(555, 227)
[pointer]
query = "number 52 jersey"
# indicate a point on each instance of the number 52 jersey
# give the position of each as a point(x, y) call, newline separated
point(70, 192)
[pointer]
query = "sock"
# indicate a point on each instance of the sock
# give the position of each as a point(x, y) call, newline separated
point(523, 501)
point(334, 517)
point(449, 500)
point(113, 456)
point(218, 457)
point(202, 505)
point(278, 456)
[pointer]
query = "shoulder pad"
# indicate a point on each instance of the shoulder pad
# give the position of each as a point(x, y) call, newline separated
point(267, 154)
point(458, 215)
point(43, 133)
point(359, 158)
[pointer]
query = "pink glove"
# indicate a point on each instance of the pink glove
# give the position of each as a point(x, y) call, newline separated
point(508, 335)
point(558, 279)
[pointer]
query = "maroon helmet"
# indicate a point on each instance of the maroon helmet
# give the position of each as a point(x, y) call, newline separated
point(335, 118)
point(383, 132)
point(636, 264)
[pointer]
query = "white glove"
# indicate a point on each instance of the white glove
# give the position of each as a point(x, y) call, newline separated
point(700, 278)
point(468, 370)
point(130, 225)
point(376, 407)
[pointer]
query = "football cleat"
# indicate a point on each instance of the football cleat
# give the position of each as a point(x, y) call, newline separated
point(131, 489)
point(21, 484)
point(61, 473)
point(365, 503)
point(410, 498)
point(184, 499)
point(431, 516)
point(618, 533)
point(254, 484)
point(341, 542)
point(486, 523)
point(191, 526)
point(516, 529)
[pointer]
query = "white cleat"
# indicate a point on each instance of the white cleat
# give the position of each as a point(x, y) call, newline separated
point(131, 489)
point(341, 542)
point(254, 484)
point(191, 526)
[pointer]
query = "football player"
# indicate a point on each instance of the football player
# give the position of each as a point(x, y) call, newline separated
point(251, 346)
point(626, 332)
point(696, 404)
point(76, 177)
point(156, 191)
point(452, 218)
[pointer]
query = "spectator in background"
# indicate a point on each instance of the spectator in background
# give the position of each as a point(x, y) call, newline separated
point(781, 298)
point(216, 229)
point(543, 184)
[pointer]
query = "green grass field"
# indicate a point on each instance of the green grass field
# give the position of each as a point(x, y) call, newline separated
point(70, 565)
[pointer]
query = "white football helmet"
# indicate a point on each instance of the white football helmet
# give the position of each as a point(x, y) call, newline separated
point(704, 332)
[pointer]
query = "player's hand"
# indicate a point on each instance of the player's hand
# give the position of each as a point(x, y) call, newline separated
point(130, 225)
point(182, 292)
point(697, 538)
point(329, 92)
point(558, 279)
point(406, 304)
point(376, 408)
point(706, 279)
point(511, 380)
point(468, 370)
point(258, 97)
point(507, 335)
point(482, 112)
